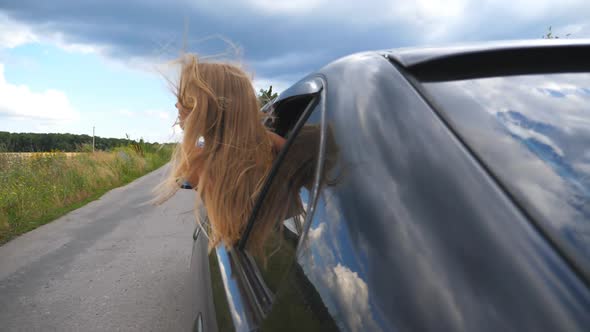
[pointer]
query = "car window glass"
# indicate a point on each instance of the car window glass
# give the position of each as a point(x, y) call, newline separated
point(533, 131)
point(277, 227)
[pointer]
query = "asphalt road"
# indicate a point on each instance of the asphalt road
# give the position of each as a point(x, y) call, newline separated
point(117, 264)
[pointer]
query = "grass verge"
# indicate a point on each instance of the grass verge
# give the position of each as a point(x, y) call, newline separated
point(35, 190)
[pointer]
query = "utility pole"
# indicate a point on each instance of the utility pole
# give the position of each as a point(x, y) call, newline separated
point(92, 139)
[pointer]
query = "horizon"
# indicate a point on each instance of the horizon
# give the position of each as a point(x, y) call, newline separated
point(89, 135)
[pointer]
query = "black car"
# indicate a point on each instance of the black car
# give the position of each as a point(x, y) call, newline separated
point(449, 190)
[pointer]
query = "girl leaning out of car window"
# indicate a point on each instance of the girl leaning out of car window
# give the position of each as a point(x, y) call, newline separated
point(226, 152)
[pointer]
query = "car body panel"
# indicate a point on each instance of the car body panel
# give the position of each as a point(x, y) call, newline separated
point(410, 230)
point(200, 281)
point(307, 86)
point(416, 235)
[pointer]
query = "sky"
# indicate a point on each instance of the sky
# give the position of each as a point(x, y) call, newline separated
point(69, 66)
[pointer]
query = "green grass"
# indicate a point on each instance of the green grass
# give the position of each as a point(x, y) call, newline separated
point(35, 190)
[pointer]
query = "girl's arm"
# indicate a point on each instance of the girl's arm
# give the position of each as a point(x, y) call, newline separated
point(277, 141)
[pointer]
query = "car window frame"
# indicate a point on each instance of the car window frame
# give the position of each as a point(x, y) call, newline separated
point(260, 295)
point(310, 108)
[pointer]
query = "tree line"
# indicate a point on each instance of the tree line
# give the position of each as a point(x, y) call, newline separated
point(265, 96)
point(33, 142)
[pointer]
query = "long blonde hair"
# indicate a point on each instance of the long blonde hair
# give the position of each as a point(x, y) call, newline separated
point(230, 169)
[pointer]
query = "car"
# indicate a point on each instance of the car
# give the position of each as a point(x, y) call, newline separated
point(448, 189)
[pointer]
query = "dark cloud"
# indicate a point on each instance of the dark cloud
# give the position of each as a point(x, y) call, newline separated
point(132, 28)
point(277, 43)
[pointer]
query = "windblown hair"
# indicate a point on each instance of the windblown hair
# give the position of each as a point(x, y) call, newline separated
point(230, 169)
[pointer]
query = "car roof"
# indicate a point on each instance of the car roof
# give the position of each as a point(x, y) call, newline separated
point(481, 59)
point(474, 60)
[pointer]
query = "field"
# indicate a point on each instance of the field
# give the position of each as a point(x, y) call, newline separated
point(18, 155)
point(36, 188)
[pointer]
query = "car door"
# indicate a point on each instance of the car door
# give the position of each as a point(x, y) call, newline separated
point(244, 283)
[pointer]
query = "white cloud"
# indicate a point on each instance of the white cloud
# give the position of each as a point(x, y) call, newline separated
point(159, 114)
point(581, 30)
point(173, 136)
point(152, 114)
point(352, 293)
point(288, 59)
point(126, 113)
point(315, 233)
point(426, 11)
point(58, 39)
point(288, 7)
point(432, 21)
point(278, 85)
point(531, 9)
point(151, 125)
point(375, 11)
point(19, 102)
point(13, 34)
point(538, 180)
point(525, 133)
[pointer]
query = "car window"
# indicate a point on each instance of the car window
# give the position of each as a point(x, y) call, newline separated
point(271, 245)
point(533, 132)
